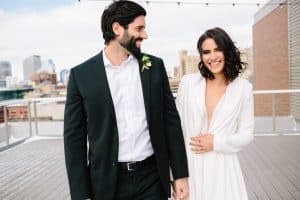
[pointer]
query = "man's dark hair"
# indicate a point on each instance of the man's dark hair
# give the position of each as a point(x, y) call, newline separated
point(124, 12)
point(233, 64)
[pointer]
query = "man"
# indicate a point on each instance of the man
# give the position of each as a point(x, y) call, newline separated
point(119, 102)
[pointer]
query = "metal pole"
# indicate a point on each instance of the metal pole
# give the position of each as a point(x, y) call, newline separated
point(273, 112)
point(6, 124)
point(29, 118)
point(35, 118)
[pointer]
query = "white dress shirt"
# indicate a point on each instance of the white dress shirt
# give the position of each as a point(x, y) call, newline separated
point(127, 95)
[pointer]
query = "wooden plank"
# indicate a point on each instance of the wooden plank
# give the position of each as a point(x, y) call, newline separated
point(287, 169)
point(267, 152)
point(36, 170)
point(254, 185)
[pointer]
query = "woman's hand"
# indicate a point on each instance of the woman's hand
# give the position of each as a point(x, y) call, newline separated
point(202, 143)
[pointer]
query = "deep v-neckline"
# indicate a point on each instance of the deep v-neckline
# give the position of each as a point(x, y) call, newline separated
point(209, 121)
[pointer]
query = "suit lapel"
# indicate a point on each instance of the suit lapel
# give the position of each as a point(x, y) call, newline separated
point(99, 70)
point(145, 79)
point(103, 82)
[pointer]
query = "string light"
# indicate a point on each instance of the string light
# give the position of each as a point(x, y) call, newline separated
point(233, 4)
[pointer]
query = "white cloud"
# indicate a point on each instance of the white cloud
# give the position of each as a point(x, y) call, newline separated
point(70, 34)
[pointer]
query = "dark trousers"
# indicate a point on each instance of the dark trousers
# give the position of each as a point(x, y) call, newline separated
point(140, 184)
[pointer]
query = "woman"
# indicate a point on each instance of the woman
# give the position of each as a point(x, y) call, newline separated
point(216, 110)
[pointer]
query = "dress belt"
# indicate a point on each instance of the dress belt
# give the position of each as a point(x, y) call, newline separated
point(134, 165)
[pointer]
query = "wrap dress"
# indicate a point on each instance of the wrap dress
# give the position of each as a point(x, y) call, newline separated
point(216, 175)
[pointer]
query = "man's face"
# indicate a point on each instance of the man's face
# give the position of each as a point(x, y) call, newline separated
point(132, 37)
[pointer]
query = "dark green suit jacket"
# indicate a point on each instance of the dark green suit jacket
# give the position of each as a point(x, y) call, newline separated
point(90, 119)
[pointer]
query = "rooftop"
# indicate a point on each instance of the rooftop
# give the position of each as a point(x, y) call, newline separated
point(36, 169)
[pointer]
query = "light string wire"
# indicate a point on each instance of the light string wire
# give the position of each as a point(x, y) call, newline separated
point(212, 3)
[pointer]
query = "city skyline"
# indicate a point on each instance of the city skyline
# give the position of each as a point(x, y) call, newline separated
point(69, 32)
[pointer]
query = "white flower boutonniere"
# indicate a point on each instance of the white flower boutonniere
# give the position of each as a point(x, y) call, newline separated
point(146, 62)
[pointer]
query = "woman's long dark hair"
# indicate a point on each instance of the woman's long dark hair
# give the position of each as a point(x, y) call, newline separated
point(233, 64)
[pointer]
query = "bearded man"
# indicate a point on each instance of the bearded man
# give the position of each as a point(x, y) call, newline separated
point(122, 132)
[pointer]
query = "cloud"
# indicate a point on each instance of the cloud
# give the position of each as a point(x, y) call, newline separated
point(172, 28)
point(70, 34)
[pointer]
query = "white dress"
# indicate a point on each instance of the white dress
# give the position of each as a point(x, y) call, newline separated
point(216, 175)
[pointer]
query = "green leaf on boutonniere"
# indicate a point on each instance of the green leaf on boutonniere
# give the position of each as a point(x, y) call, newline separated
point(146, 62)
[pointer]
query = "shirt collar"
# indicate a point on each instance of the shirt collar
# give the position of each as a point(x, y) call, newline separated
point(107, 63)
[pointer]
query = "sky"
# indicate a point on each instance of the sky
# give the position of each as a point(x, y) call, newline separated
point(69, 32)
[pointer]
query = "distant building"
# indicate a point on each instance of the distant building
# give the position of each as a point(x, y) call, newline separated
point(44, 78)
point(1, 114)
point(5, 71)
point(53, 79)
point(48, 65)
point(188, 63)
point(174, 84)
point(64, 76)
point(11, 81)
point(276, 56)
point(31, 65)
point(247, 57)
point(176, 72)
point(17, 112)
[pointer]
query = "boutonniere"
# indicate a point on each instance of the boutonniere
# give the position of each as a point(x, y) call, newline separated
point(146, 62)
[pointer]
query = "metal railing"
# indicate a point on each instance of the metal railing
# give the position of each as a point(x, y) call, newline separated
point(31, 119)
point(32, 113)
point(35, 101)
point(6, 104)
point(273, 95)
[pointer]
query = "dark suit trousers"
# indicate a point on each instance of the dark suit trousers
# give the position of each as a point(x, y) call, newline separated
point(140, 184)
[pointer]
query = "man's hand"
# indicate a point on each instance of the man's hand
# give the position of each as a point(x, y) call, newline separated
point(181, 189)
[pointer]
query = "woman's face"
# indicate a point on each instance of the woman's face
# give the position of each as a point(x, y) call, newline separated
point(212, 56)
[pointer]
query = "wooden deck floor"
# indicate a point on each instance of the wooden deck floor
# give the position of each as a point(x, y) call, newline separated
point(36, 171)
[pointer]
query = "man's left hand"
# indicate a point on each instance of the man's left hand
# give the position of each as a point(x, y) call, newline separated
point(181, 189)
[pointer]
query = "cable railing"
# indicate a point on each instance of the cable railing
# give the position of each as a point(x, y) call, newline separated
point(44, 117)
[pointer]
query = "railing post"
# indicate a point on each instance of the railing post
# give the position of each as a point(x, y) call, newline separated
point(273, 112)
point(6, 124)
point(29, 118)
point(35, 118)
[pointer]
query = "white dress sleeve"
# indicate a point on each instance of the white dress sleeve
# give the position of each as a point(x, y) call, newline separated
point(244, 134)
point(180, 96)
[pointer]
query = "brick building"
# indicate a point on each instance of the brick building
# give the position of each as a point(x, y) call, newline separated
point(276, 56)
point(188, 63)
point(1, 114)
point(14, 112)
point(17, 112)
point(270, 58)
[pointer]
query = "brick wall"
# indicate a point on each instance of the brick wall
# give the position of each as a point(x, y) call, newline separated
point(270, 61)
point(1, 114)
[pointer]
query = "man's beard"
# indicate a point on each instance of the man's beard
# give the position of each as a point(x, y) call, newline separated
point(129, 43)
